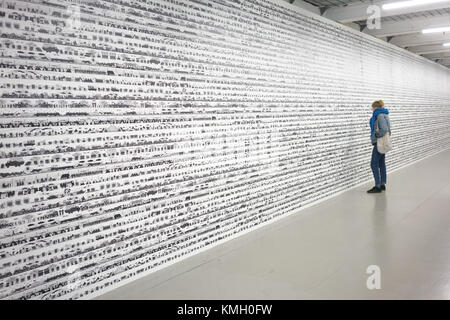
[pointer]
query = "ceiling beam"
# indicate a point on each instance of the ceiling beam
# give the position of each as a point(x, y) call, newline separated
point(419, 39)
point(353, 26)
point(306, 6)
point(357, 12)
point(445, 61)
point(416, 25)
point(434, 56)
point(429, 49)
point(441, 58)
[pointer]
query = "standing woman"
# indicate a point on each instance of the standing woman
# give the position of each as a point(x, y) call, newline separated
point(379, 126)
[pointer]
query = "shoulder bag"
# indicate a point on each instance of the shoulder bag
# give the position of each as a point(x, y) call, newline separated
point(384, 144)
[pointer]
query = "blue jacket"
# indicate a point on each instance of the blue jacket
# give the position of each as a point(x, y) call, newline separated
point(384, 126)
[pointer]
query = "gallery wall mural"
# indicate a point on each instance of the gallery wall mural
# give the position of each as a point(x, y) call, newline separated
point(136, 133)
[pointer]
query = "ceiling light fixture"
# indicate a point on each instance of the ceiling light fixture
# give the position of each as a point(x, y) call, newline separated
point(435, 30)
point(447, 44)
point(409, 3)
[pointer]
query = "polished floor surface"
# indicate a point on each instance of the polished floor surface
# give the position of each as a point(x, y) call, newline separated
point(323, 251)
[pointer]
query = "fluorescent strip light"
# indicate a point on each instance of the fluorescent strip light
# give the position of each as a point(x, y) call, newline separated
point(410, 3)
point(447, 44)
point(434, 30)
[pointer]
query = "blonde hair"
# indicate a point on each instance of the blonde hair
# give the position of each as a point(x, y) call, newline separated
point(378, 104)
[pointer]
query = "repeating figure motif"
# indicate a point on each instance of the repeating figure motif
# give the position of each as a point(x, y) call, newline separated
point(134, 133)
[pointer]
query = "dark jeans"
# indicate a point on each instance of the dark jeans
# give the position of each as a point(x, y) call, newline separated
point(378, 166)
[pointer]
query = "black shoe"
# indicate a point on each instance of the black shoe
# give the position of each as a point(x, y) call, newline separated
point(383, 187)
point(374, 190)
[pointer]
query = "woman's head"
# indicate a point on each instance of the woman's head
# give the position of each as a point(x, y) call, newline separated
point(377, 104)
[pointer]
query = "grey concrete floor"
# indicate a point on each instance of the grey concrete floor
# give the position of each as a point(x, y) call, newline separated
point(323, 251)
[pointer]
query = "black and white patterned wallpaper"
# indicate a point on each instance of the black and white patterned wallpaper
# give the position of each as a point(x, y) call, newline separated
point(136, 133)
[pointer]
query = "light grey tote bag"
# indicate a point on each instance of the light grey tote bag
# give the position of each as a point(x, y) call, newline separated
point(384, 144)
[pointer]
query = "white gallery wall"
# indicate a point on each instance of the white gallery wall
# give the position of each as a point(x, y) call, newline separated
point(136, 133)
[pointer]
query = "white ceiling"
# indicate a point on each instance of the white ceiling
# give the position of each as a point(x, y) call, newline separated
point(402, 27)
